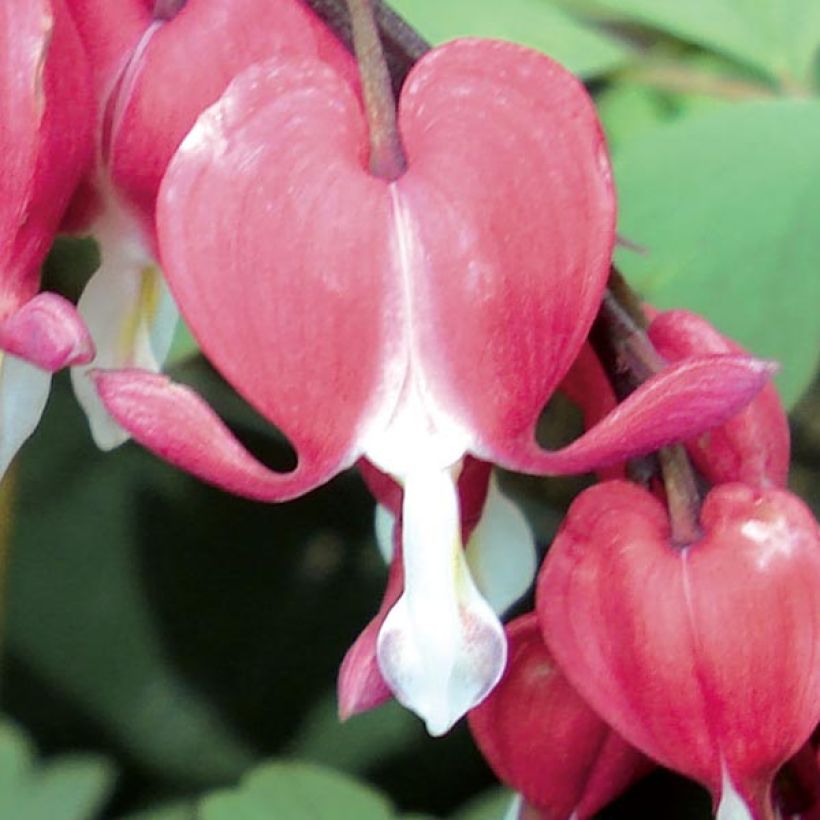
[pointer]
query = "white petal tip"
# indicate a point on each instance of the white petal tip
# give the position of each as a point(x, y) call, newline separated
point(732, 806)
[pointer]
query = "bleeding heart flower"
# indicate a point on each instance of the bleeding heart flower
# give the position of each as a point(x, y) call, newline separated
point(44, 144)
point(543, 740)
point(156, 67)
point(410, 321)
point(500, 561)
point(704, 657)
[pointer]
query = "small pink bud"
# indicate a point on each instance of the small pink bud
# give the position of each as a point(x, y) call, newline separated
point(752, 446)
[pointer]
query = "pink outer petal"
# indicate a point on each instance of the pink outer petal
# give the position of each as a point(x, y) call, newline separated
point(683, 400)
point(176, 424)
point(543, 740)
point(752, 446)
point(276, 245)
point(45, 136)
point(702, 657)
point(511, 209)
point(48, 332)
point(109, 32)
point(164, 96)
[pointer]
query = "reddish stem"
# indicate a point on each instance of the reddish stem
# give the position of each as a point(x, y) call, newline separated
point(387, 158)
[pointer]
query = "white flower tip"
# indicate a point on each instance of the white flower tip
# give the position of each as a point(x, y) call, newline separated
point(732, 806)
point(441, 683)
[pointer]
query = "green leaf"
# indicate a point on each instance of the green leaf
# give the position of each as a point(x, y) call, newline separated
point(70, 787)
point(184, 627)
point(176, 810)
point(183, 345)
point(535, 23)
point(492, 805)
point(728, 206)
point(296, 790)
point(782, 37)
point(358, 743)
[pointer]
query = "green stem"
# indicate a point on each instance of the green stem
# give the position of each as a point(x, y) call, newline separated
point(387, 158)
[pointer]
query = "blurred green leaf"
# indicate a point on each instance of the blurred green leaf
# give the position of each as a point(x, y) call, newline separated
point(296, 790)
point(782, 37)
point(183, 345)
point(492, 805)
point(175, 810)
point(359, 742)
point(627, 110)
point(535, 23)
point(728, 206)
point(70, 787)
point(182, 627)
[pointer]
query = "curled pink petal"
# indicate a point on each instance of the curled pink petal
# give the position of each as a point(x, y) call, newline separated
point(48, 332)
point(587, 386)
point(683, 400)
point(172, 421)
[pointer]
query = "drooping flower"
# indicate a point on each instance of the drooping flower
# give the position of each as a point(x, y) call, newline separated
point(44, 144)
point(411, 321)
point(156, 66)
point(704, 656)
point(542, 739)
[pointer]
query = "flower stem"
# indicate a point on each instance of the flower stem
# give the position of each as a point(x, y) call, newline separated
point(167, 9)
point(387, 158)
point(626, 352)
point(402, 44)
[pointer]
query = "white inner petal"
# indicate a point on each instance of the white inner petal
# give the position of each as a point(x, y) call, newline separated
point(514, 809)
point(441, 648)
point(23, 394)
point(129, 312)
point(383, 523)
point(501, 551)
point(732, 806)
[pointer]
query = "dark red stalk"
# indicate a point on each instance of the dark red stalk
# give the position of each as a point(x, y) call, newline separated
point(387, 159)
point(630, 358)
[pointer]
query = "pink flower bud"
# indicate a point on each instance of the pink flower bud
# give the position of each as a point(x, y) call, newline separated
point(752, 446)
point(706, 657)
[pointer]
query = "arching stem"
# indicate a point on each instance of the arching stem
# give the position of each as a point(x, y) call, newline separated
point(620, 340)
point(387, 158)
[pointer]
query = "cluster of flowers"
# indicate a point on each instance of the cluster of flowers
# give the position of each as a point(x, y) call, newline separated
point(415, 319)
